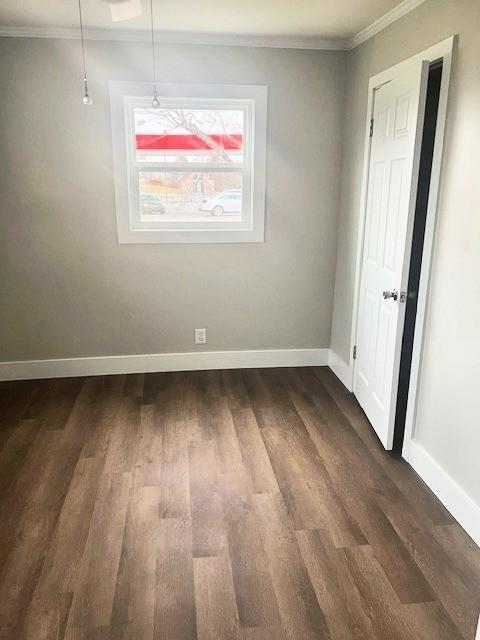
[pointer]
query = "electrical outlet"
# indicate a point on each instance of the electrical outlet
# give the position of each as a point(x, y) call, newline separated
point(200, 336)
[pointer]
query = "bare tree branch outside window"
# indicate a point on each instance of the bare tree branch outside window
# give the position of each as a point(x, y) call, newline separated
point(202, 123)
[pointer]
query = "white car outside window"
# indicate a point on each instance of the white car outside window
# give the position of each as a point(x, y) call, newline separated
point(227, 202)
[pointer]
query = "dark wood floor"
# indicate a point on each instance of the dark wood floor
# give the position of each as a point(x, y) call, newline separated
point(224, 505)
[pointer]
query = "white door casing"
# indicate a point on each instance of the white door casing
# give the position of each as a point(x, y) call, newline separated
point(398, 114)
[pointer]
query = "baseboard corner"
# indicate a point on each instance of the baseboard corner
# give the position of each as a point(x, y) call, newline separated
point(450, 494)
point(341, 369)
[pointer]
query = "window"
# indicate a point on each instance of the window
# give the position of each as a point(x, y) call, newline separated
point(192, 170)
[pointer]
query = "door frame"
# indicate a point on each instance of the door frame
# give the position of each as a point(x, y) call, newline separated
point(442, 50)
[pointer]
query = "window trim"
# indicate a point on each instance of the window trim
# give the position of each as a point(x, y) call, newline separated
point(251, 98)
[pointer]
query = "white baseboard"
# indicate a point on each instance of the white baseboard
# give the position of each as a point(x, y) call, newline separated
point(450, 494)
point(148, 363)
point(341, 369)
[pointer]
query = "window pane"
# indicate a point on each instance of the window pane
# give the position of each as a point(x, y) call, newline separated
point(190, 196)
point(189, 135)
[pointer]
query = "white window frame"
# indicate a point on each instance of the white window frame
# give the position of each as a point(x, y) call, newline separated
point(252, 99)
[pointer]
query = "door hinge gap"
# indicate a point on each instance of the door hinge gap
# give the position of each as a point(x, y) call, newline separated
point(371, 128)
point(355, 352)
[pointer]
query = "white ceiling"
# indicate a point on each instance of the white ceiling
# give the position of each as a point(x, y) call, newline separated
point(329, 19)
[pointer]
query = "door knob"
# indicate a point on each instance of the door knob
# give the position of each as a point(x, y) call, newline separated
point(390, 294)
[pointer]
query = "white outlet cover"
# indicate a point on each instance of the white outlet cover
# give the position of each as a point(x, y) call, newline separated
point(200, 336)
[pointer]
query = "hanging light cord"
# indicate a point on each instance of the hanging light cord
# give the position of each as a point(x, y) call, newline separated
point(154, 61)
point(86, 97)
point(82, 39)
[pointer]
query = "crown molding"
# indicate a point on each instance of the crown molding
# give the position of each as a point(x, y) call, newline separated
point(233, 39)
point(383, 22)
point(176, 37)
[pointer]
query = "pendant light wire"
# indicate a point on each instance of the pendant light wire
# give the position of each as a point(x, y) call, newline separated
point(86, 98)
point(155, 102)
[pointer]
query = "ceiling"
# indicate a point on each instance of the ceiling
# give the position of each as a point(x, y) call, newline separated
point(329, 19)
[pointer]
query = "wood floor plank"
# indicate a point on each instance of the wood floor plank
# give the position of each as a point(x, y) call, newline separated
point(15, 450)
point(299, 610)
point(35, 500)
point(379, 598)
point(16, 504)
point(254, 594)
point(155, 386)
point(98, 571)
point(149, 446)
point(63, 394)
point(48, 612)
point(23, 565)
point(133, 613)
point(208, 526)
point(429, 621)
point(462, 552)
point(124, 438)
point(133, 387)
point(217, 617)
point(175, 610)
point(254, 454)
point(97, 438)
point(235, 389)
point(334, 587)
point(229, 457)
point(260, 397)
point(15, 399)
point(174, 473)
point(56, 475)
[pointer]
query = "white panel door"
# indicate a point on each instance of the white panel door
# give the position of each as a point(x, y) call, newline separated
point(392, 184)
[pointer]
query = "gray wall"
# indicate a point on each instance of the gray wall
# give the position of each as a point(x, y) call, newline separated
point(448, 420)
point(69, 289)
